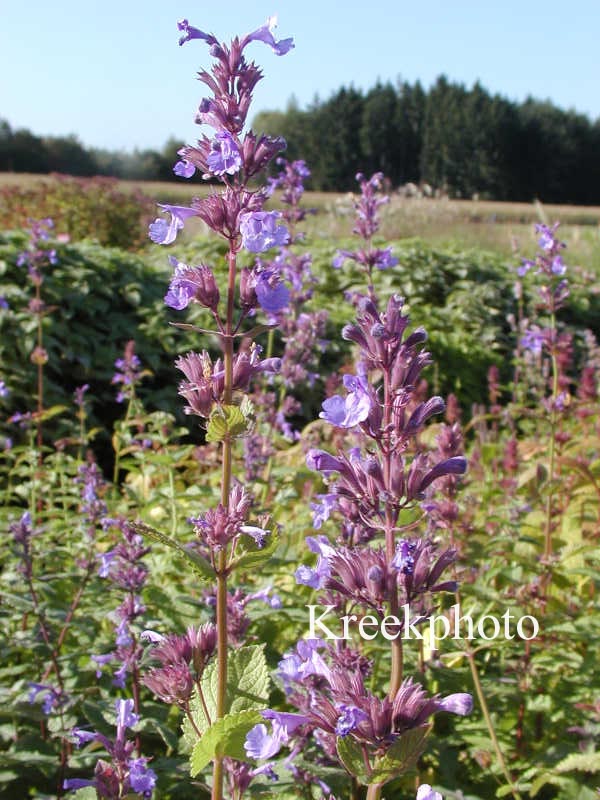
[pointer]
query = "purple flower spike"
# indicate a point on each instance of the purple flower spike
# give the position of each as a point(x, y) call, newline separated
point(265, 34)
point(224, 157)
point(163, 232)
point(260, 231)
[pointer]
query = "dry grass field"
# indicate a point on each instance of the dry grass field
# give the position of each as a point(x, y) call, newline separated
point(503, 227)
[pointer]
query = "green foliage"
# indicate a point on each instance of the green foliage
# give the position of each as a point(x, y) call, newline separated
point(224, 738)
point(93, 208)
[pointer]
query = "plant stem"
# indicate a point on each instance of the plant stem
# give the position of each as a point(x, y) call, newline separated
point(390, 539)
point(490, 724)
point(217, 789)
point(552, 448)
point(374, 791)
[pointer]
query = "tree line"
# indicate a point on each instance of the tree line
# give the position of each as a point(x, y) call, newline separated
point(23, 151)
point(461, 141)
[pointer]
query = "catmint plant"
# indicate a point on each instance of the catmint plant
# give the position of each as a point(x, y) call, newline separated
point(553, 290)
point(376, 492)
point(125, 773)
point(37, 257)
point(215, 389)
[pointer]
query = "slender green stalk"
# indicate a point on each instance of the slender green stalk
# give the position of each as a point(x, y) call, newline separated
point(552, 449)
point(374, 791)
point(490, 724)
point(217, 789)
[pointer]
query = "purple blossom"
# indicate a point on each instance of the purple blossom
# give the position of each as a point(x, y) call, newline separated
point(316, 578)
point(141, 778)
point(190, 32)
point(3, 389)
point(191, 284)
point(163, 232)
point(260, 231)
point(351, 410)
point(260, 744)
point(459, 703)
point(546, 239)
point(224, 157)
point(324, 462)
point(533, 340)
point(101, 660)
point(184, 168)
point(51, 697)
point(106, 559)
point(258, 534)
point(272, 295)
point(265, 34)
point(125, 715)
point(526, 265)
point(350, 717)
point(3, 302)
point(403, 559)
point(425, 792)
point(321, 511)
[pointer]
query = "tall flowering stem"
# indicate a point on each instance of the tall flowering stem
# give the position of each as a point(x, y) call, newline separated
point(37, 257)
point(215, 391)
point(553, 291)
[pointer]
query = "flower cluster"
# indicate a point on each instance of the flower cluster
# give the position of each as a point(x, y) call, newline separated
point(204, 386)
point(327, 686)
point(229, 156)
point(124, 567)
point(182, 660)
point(366, 226)
point(125, 772)
point(128, 373)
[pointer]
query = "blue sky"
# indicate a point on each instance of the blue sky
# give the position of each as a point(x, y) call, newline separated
point(112, 72)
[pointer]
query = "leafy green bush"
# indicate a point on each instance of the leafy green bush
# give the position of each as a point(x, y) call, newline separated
point(83, 208)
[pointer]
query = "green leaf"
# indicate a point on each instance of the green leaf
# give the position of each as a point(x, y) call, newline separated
point(199, 564)
point(226, 421)
point(401, 756)
point(583, 762)
point(248, 686)
point(256, 556)
point(225, 738)
point(351, 756)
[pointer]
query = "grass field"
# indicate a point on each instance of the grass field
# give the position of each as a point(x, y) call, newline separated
point(499, 226)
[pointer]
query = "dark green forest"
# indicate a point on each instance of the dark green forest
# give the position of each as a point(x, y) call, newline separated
point(460, 141)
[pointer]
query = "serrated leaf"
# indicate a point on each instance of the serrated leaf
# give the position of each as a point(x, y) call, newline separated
point(225, 738)
point(198, 563)
point(401, 756)
point(351, 756)
point(248, 686)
